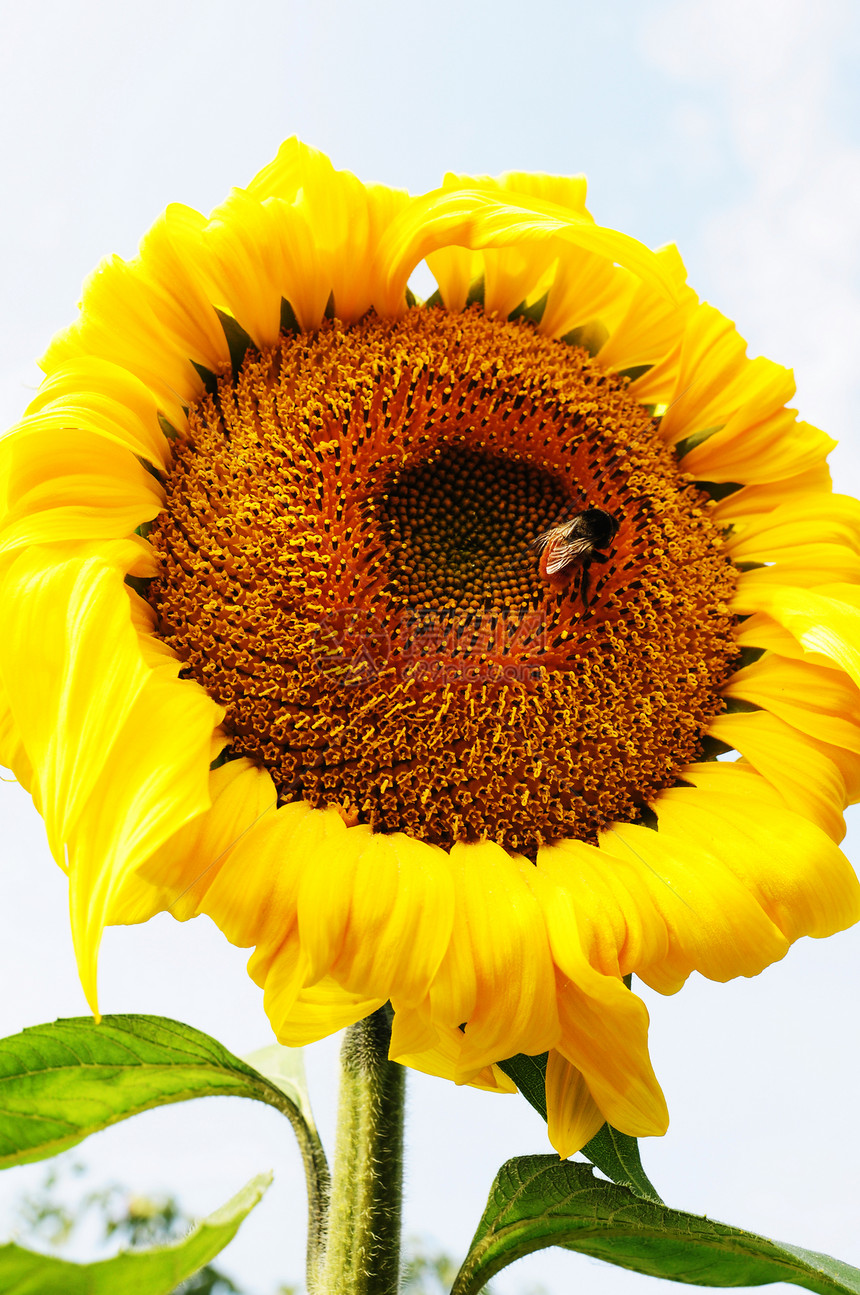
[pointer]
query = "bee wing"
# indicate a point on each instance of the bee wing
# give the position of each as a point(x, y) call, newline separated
point(565, 552)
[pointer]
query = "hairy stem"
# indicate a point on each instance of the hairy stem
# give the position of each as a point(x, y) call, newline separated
point(363, 1248)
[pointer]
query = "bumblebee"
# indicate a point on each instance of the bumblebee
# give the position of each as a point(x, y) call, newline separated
point(571, 547)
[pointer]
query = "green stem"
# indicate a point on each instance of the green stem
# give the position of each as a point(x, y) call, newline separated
point(318, 1183)
point(363, 1248)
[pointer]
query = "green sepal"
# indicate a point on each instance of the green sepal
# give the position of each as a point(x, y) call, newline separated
point(539, 1201)
point(719, 489)
point(140, 585)
point(635, 371)
point(529, 1075)
point(207, 377)
point(133, 1272)
point(168, 429)
point(238, 341)
point(739, 706)
point(475, 295)
point(289, 323)
point(533, 312)
point(748, 656)
point(591, 337)
point(695, 438)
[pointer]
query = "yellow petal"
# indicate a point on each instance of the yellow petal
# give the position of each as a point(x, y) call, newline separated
point(320, 1010)
point(585, 287)
point(807, 779)
point(764, 496)
point(475, 219)
point(710, 375)
point(607, 1039)
point(759, 631)
point(400, 920)
point(792, 869)
point(716, 924)
point(651, 328)
point(119, 753)
point(815, 519)
point(497, 976)
point(345, 216)
point(95, 395)
point(604, 1024)
point(822, 620)
point(179, 876)
point(73, 672)
point(604, 1027)
point(573, 1116)
point(167, 268)
point(12, 753)
point(253, 254)
point(329, 852)
point(155, 779)
point(606, 901)
point(510, 274)
point(118, 323)
point(444, 1060)
point(72, 486)
point(803, 567)
point(814, 699)
point(760, 445)
point(454, 269)
point(288, 171)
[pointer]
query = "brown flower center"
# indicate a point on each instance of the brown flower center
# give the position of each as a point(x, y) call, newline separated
point(348, 565)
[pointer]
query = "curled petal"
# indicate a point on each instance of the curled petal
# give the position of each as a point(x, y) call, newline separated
point(573, 1116)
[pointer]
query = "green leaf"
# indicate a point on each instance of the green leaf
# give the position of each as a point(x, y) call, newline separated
point(285, 1068)
point(134, 1272)
point(61, 1082)
point(539, 1201)
point(615, 1154)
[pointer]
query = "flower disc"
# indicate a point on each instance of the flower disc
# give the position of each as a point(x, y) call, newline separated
point(348, 564)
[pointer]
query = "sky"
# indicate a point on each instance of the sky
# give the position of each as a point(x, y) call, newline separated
point(731, 128)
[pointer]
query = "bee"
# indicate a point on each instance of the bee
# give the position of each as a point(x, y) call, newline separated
point(572, 546)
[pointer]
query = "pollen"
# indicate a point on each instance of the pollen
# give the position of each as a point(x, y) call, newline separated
point(348, 565)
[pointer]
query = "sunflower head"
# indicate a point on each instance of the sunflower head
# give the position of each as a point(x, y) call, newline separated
point(402, 637)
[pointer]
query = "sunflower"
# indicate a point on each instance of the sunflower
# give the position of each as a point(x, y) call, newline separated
point(470, 654)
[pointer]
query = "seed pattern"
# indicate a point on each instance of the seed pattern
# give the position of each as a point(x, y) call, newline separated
point(460, 526)
point(346, 566)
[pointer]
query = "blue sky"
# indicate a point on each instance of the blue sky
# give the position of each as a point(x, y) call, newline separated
point(731, 128)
